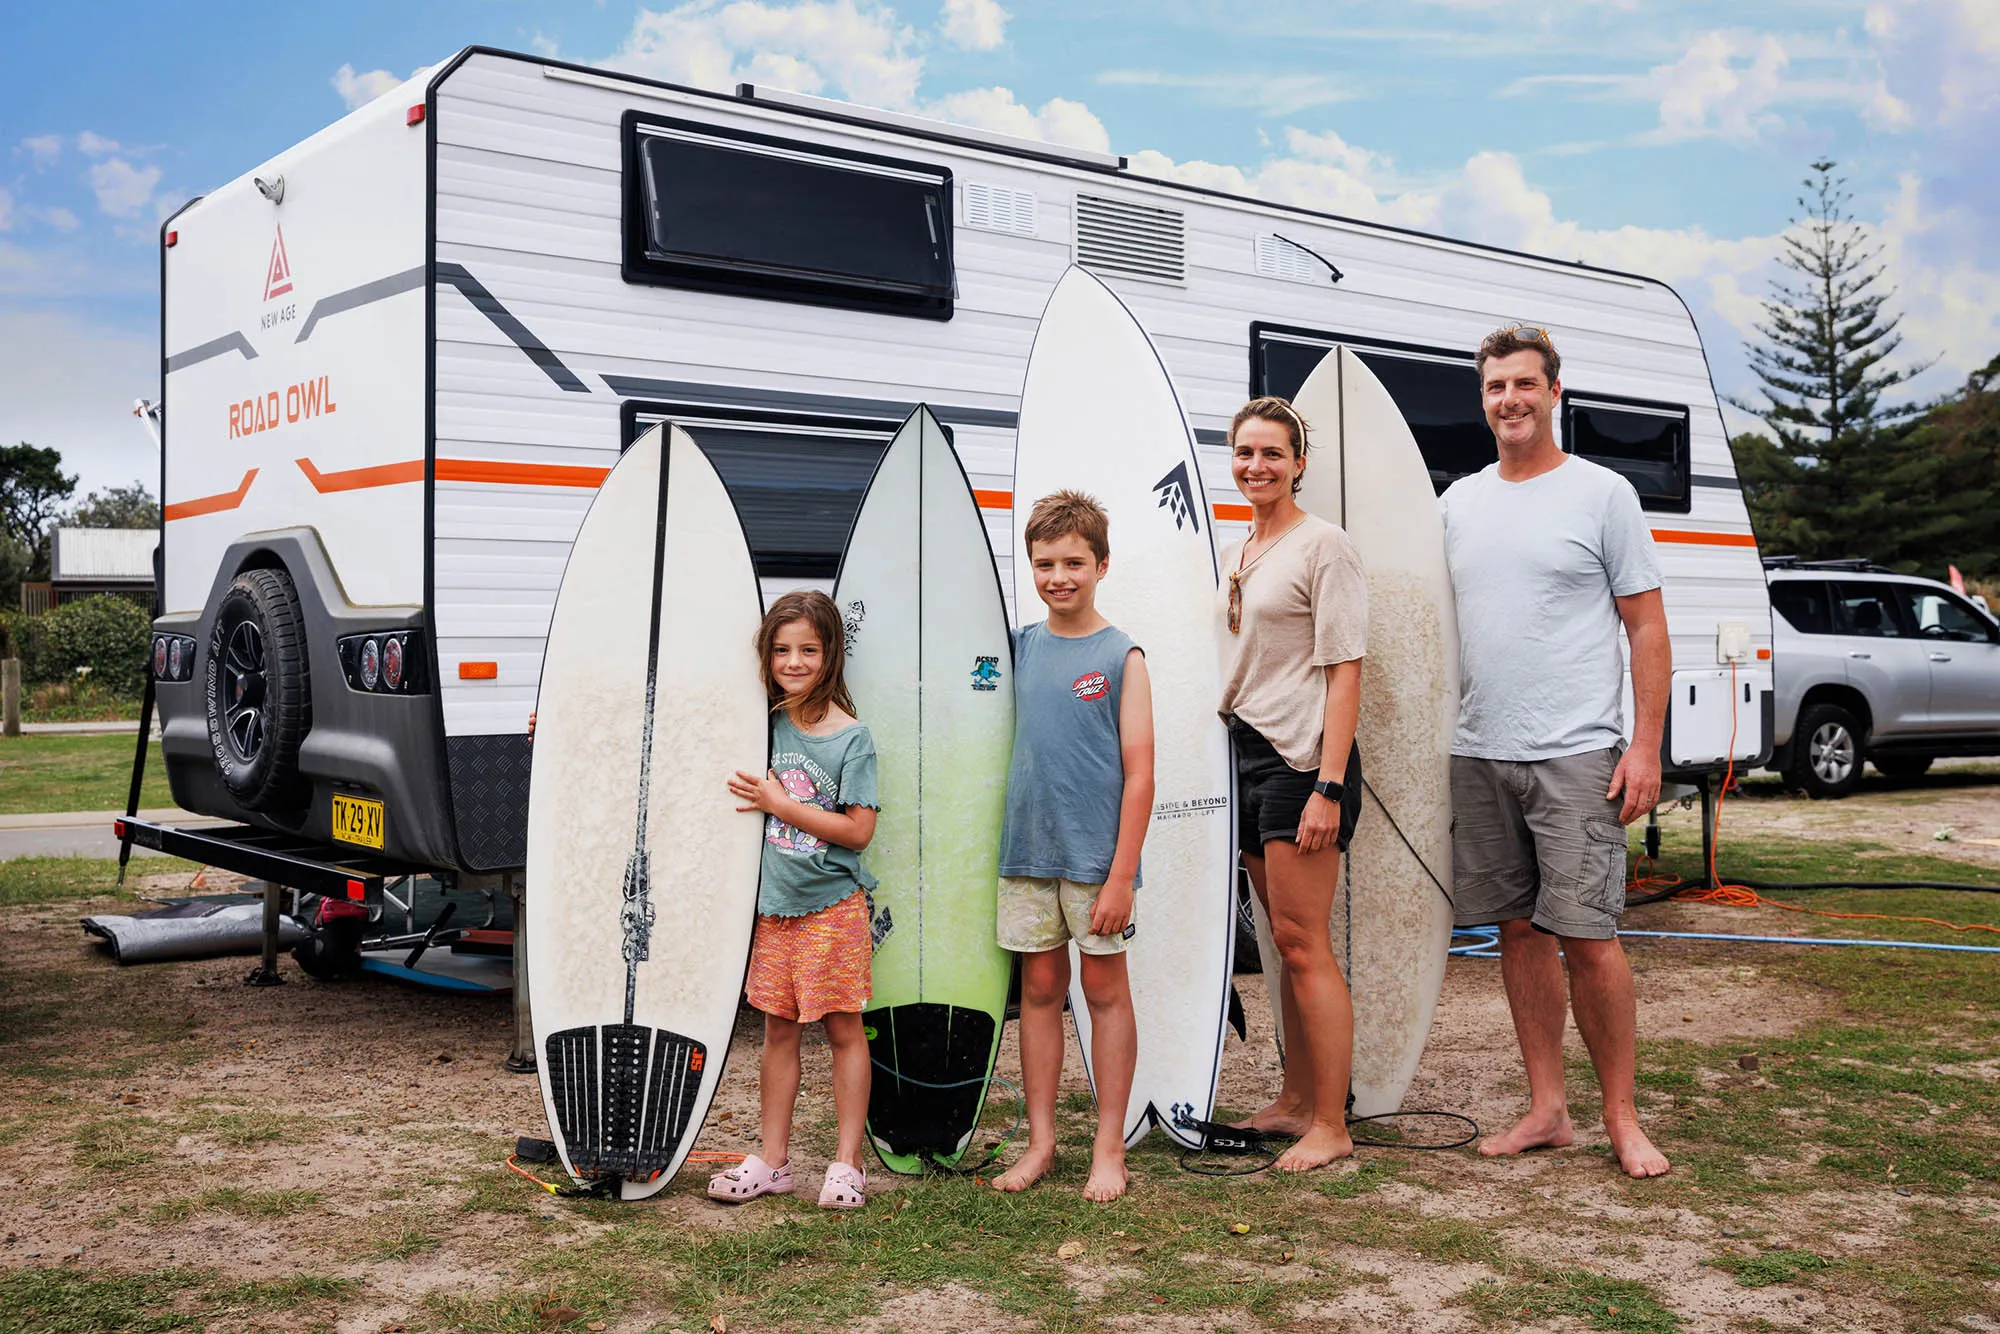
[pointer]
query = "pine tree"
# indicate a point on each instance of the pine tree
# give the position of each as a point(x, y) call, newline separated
point(1951, 459)
point(1827, 482)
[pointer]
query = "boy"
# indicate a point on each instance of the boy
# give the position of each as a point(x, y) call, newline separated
point(1079, 795)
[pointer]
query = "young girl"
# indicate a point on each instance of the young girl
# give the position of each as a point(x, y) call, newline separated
point(810, 957)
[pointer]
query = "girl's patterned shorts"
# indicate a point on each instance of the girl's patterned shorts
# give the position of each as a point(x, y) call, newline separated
point(804, 968)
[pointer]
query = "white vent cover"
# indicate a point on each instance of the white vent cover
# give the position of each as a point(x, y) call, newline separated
point(1131, 240)
point(995, 208)
point(1278, 258)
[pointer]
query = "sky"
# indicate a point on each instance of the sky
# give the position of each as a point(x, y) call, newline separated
point(1665, 137)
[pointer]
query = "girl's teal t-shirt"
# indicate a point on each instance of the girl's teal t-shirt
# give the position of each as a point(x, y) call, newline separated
point(803, 874)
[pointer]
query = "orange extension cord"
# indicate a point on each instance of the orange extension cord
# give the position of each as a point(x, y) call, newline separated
point(1651, 882)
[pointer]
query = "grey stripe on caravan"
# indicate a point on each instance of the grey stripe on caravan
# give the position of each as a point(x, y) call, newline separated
point(1715, 480)
point(503, 319)
point(366, 294)
point(214, 347)
point(786, 400)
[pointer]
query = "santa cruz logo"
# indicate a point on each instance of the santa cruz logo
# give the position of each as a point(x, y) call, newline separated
point(1176, 495)
point(1091, 685)
point(985, 673)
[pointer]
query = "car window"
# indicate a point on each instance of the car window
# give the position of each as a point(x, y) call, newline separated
point(1803, 604)
point(1868, 609)
point(1938, 615)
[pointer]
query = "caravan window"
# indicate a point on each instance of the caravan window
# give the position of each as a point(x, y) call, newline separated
point(797, 482)
point(1646, 443)
point(729, 211)
point(1437, 391)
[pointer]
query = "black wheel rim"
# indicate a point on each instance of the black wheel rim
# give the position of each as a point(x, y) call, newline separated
point(243, 687)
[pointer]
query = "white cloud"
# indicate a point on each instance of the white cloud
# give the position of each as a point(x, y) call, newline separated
point(1940, 58)
point(1269, 94)
point(543, 45)
point(68, 383)
point(6, 211)
point(1724, 87)
point(59, 218)
point(976, 25)
point(359, 90)
point(43, 149)
point(95, 145)
point(1059, 121)
point(852, 49)
point(122, 189)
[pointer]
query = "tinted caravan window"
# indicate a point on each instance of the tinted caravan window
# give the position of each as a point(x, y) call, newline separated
point(724, 210)
point(797, 483)
point(1438, 392)
point(1646, 443)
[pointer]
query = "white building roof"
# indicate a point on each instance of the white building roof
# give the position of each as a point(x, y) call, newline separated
point(103, 554)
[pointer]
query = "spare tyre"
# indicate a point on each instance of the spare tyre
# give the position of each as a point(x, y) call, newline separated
point(259, 690)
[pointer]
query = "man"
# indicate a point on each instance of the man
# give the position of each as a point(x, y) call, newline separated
point(1549, 555)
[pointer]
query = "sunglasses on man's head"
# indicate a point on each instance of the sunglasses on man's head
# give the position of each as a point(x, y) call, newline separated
point(1532, 333)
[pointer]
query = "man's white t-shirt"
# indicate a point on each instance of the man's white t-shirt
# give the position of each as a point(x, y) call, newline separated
point(1535, 566)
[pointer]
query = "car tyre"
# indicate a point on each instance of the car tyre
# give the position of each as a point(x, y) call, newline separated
point(258, 689)
point(1827, 752)
point(1902, 768)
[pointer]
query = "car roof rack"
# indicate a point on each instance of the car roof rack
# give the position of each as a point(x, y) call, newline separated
point(1851, 564)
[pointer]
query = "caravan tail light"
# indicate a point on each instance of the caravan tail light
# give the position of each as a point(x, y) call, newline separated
point(159, 657)
point(173, 657)
point(386, 662)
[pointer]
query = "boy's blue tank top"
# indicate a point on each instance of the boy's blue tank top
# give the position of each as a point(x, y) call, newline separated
point(1067, 778)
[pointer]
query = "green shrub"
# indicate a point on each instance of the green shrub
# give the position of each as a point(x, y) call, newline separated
point(21, 637)
point(107, 636)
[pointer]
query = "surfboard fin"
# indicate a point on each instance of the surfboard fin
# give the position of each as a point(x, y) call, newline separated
point(623, 1094)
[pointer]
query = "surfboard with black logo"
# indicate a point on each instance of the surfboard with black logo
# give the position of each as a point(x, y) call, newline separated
point(1099, 415)
point(930, 666)
point(642, 875)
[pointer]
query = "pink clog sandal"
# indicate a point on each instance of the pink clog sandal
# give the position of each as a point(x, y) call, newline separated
point(749, 1179)
point(845, 1187)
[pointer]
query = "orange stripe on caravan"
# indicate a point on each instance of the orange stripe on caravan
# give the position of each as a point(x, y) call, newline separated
point(228, 500)
point(519, 474)
point(360, 479)
point(1004, 500)
point(1692, 538)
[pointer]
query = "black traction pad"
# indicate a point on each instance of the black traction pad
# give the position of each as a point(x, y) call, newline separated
point(623, 1095)
point(935, 1044)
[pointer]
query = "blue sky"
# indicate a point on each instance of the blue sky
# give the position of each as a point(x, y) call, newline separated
point(1663, 136)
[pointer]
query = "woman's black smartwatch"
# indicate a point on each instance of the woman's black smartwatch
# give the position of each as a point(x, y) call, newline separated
point(1331, 790)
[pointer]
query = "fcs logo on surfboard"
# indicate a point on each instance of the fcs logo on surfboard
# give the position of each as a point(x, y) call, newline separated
point(986, 672)
point(1177, 497)
point(1091, 685)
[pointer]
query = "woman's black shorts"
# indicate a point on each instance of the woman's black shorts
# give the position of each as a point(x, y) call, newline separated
point(1271, 795)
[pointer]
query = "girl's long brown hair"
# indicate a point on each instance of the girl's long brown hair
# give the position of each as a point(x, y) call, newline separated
point(816, 610)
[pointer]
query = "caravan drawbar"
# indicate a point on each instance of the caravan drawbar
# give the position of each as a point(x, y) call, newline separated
point(399, 357)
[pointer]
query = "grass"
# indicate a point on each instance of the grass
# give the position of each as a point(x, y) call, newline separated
point(1777, 1266)
point(69, 1301)
point(33, 880)
point(1538, 1294)
point(264, 1204)
point(46, 773)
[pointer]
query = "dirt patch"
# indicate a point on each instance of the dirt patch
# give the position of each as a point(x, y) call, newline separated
point(1905, 819)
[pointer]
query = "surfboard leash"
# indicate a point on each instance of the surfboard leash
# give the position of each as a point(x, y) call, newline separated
point(1383, 807)
point(1246, 1141)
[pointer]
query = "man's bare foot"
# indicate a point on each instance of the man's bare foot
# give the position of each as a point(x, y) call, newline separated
point(1280, 1118)
point(1636, 1153)
point(1027, 1170)
point(1320, 1146)
point(1108, 1177)
point(1536, 1130)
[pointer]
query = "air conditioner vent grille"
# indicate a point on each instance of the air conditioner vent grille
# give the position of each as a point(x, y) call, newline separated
point(995, 208)
point(1131, 240)
point(1277, 258)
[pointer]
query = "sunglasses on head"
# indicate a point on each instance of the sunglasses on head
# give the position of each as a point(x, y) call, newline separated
point(1533, 333)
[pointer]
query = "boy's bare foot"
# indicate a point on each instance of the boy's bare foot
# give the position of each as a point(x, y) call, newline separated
point(1280, 1118)
point(1027, 1170)
point(1636, 1153)
point(1320, 1146)
point(1108, 1177)
point(1536, 1130)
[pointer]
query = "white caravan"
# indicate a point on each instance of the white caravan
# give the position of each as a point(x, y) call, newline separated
point(400, 357)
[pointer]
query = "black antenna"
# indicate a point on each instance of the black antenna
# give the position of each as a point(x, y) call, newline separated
point(1330, 266)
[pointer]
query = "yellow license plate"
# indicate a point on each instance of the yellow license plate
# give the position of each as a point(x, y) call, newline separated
point(357, 820)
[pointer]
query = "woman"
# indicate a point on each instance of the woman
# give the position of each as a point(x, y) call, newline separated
point(1294, 612)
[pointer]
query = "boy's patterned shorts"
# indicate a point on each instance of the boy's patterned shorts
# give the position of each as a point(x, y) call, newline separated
point(1038, 914)
point(805, 968)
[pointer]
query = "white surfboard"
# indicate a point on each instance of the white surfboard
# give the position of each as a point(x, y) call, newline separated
point(1099, 415)
point(642, 875)
point(1392, 915)
point(932, 674)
